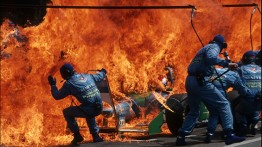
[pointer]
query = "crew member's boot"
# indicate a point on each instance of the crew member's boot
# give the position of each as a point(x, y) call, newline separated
point(253, 130)
point(208, 138)
point(97, 138)
point(180, 141)
point(231, 138)
point(77, 138)
point(242, 130)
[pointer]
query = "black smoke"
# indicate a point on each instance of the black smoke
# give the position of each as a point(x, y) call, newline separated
point(23, 16)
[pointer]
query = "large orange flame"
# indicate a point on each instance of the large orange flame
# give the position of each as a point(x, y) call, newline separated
point(133, 45)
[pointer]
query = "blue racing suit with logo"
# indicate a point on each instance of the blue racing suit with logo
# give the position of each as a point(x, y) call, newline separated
point(200, 89)
point(83, 87)
point(248, 111)
point(227, 80)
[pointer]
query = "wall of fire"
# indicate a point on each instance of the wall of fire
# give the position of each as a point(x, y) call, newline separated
point(133, 45)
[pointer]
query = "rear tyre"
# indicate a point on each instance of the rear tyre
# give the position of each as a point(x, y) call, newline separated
point(174, 120)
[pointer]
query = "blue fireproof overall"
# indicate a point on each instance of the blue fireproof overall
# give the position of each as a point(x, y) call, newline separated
point(83, 87)
point(229, 79)
point(251, 76)
point(200, 88)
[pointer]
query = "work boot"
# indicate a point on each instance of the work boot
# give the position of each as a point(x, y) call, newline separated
point(231, 138)
point(97, 138)
point(223, 136)
point(180, 141)
point(253, 130)
point(242, 130)
point(208, 138)
point(77, 138)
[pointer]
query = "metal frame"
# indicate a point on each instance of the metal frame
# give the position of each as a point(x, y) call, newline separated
point(112, 102)
point(95, 7)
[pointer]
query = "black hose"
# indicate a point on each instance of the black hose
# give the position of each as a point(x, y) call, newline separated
point(191, 20)
point(258, 10)
point(192, 15)
point(247, 5)
point(251, 40)
point(256, 7)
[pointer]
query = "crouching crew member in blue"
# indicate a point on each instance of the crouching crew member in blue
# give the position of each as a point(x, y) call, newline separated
point(223, 83)
point(248, 109)
point(83, 87)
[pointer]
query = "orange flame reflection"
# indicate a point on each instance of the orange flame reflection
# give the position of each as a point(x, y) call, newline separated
point(133, 45)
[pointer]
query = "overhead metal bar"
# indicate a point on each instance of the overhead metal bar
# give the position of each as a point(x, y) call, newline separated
point(240, 5)
point(243, 5)
point(95, 7)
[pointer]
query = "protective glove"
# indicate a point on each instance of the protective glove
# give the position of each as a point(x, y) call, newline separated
point(232, 66)
point(51, 80)
point(103, 70)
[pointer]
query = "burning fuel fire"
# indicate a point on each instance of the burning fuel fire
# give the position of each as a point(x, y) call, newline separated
point(133, 45)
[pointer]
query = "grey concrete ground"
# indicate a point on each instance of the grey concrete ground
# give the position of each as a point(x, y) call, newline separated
point(167, 140)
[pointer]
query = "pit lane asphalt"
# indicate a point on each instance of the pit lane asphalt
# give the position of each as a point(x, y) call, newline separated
point(167, 140)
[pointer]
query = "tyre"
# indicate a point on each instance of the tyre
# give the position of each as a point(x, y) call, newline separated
point(174, 120)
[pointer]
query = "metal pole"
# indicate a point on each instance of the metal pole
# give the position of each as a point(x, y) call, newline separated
point(218, 76)
point(212, 80)
point(95, 7)
point(240, 5)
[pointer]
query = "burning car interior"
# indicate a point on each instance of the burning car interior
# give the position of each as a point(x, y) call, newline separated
point(145, 46)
